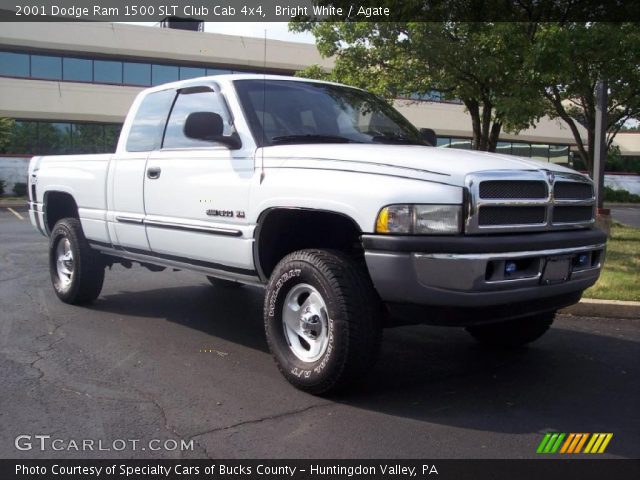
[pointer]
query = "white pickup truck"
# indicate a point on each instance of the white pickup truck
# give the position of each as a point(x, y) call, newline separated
point(333, 202)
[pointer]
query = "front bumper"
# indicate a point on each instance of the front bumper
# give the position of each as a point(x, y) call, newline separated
point(469, 271)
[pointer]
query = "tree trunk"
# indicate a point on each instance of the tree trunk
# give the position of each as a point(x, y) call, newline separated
point(494, 136)
point(585, 155)
point(474, 112)
point(486, 125)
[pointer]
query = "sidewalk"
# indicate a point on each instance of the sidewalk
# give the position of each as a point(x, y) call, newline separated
point(590, 307)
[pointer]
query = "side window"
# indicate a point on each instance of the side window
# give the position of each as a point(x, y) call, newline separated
point(147, 127)
point(186, 103)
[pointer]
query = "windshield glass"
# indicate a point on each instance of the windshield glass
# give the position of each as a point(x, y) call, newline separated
point(286, 112)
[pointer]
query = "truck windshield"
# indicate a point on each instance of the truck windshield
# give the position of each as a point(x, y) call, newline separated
point(293, 112)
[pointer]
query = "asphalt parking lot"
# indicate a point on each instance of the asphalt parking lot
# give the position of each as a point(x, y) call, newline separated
point(167, 356)
point(627, 214)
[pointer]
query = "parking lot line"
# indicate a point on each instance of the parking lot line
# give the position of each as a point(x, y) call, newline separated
point(18, 216)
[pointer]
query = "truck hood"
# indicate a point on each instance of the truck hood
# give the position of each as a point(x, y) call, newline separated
point(442, 165)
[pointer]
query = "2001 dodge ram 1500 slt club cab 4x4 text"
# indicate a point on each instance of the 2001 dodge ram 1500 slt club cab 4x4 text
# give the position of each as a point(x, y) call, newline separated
point(336, 204)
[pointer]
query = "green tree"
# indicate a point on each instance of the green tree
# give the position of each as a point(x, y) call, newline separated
point(567, 60)
point(6, 127)
point(477, 63)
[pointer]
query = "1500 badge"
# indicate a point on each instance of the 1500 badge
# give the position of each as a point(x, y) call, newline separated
point(225, 213)
point(219, 213)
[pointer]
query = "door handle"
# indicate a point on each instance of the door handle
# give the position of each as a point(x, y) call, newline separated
point(153, 173)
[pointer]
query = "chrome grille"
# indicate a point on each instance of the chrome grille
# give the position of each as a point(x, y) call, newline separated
point(512, 215)
point(572, 190)
point(501, 201)
point(503, 189)
point(572, 214)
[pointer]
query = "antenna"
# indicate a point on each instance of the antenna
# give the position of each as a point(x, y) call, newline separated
point(264, 103)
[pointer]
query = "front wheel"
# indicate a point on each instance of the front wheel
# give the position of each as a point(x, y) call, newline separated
point(322, 320)
point(513, 333)
point(77, 271)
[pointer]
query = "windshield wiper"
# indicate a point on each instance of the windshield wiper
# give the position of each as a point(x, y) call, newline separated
point(395, 138)
point(311, 138)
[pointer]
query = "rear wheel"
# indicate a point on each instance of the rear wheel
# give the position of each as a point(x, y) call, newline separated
point(77, 271)
point(220, 283)
point(322, 320)
point(513, 333)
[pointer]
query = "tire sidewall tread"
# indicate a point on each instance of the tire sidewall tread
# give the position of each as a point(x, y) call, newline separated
point(88, 274)
point(354, 320)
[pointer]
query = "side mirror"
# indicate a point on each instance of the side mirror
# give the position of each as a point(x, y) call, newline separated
point(429, 136)
point(209, 126)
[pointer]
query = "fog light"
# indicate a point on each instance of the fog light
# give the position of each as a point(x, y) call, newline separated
point(510, 267)
point(583, 259)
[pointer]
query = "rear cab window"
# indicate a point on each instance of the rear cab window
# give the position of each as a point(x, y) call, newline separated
point(148, 124)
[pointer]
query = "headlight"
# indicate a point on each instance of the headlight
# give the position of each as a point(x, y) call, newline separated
point(420, 219)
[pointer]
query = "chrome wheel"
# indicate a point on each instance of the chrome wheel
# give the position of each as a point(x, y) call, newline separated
point(64, 262)
point(306, 323)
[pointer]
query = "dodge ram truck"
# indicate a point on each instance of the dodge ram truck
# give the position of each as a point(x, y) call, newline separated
point(335, 204)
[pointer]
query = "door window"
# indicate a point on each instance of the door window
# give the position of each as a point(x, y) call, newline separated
point(190, 101)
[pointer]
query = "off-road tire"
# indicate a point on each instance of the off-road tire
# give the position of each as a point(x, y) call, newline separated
point(514, 333)
point(353, 321)
point(85, 282)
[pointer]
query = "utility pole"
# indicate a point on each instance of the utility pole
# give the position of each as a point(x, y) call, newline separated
point(600, 142)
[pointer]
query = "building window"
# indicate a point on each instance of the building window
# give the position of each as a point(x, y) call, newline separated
point(461, 143)
point(44, 66)
point(191, 72)
point(77, 69)
point(112, 72)
point(521, 149)
point(49, 138)
point(164, 74)
point(137, 74)
point(218, 71)
point(546, 153)
point(540, 152)
point(107, 71)
point(14, 64)
point(559, 154)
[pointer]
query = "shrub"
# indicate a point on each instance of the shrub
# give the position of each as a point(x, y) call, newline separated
point(1, 187)
point(622, 196)
point(20, 189)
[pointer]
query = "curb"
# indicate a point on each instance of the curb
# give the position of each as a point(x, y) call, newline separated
point(590, 307)
point(13, 203)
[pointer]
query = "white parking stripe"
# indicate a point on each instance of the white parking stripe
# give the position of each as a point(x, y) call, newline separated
point(20, 217)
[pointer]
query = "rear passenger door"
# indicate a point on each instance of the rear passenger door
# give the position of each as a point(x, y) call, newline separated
point(127, 171)
point(196, 193)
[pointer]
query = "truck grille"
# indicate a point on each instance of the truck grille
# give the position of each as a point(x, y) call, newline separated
point(572, 214)
point(572, 191)
point(528, 201)
point(504, 189)
point(512, 215)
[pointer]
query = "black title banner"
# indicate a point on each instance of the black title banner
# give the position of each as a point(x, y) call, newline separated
point(584, 469)
point(321, 10)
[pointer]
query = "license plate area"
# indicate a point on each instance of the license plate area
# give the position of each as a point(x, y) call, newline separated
point(556, 270)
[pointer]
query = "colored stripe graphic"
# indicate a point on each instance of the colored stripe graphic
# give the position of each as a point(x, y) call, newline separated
point(598, 442)
point(582, 441)
point(543, 443)
point(555, 443)
point(567, 443)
